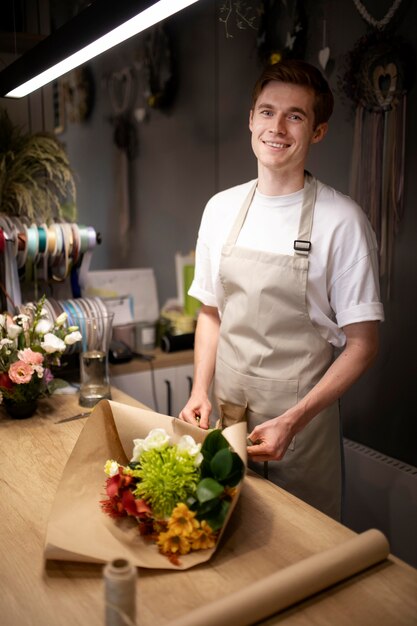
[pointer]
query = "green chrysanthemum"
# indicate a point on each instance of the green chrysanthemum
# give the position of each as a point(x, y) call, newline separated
point(165, 478)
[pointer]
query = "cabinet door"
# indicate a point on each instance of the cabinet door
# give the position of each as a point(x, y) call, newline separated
point(163, 390)
point(183, 384)
point(138, 385)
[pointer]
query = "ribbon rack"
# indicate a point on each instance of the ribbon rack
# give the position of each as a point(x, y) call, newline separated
point(49, 253)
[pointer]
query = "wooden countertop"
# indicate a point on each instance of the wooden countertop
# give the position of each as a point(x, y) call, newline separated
point(33, 454)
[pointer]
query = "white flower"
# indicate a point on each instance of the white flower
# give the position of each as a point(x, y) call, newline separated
point(14, 330)
point(137, 450)
point(51, 343)
point(43, 327)
point(6, 342)
point(73, 338)
point(61, 319)
point(2, 320)
point(111, 468)
point(21, 318)
point(157, 439)
point(187, 445)
point(39, 369)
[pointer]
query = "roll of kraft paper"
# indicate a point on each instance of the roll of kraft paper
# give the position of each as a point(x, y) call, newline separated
point(291, 584)
point(174, 343)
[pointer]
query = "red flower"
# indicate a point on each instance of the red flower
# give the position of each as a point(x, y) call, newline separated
point(115, 484)
point(5, 381)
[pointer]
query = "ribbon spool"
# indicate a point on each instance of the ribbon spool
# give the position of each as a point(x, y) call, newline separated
point(46, 251)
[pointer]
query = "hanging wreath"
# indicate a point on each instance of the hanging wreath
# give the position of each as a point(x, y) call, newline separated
point(378, 74)
point(378, 71)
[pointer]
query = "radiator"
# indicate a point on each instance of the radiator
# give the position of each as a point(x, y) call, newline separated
point(381, 492)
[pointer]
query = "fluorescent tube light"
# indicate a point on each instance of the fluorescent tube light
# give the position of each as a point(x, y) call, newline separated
point(101, 26)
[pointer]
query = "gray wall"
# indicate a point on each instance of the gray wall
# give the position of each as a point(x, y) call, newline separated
point(202, 146)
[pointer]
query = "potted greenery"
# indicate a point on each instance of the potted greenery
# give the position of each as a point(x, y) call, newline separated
point(36, 180)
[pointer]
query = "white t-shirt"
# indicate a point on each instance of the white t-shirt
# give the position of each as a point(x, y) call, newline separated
point(343, 282)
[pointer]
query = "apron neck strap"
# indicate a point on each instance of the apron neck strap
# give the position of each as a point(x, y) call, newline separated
point(302, 245)
point(237, 226)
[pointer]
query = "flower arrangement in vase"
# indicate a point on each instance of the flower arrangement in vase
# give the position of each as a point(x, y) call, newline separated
point(29, 345)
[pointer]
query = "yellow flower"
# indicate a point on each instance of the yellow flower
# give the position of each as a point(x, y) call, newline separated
point(203, 538)
point(170, 543)
point(275, 57)
point(182, 521)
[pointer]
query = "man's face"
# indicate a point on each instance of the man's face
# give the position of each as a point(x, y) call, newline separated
point(282, 126)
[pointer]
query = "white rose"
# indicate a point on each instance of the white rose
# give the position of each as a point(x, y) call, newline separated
point(61, 319)
point(43, 327)
point(51, 343)
point(187, 445)
point(14, 330)
point(157, 438)
point(73, 338)
point(137, 450)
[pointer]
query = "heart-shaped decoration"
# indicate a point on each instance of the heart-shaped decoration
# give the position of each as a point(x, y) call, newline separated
point(324, 56)
point(385, 83)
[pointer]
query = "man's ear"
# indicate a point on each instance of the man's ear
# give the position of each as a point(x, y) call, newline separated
point(250, 119)
point(319, 132)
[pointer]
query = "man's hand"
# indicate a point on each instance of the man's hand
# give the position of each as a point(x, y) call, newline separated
point(270, 440)
point(275, 435)
point(197, 411)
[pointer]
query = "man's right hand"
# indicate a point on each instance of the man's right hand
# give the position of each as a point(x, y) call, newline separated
point(197, 411)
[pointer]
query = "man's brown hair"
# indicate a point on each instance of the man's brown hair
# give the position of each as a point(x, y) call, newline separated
point(301, 73)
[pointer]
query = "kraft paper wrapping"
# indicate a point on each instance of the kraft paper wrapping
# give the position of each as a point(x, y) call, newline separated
point(78, 530)
point(291, 584)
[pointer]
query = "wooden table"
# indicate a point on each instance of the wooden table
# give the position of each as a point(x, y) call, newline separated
point(270, 529)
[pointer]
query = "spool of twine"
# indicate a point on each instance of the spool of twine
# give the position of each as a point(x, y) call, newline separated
point(120, 593)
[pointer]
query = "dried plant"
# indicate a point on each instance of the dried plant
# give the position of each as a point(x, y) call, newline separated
point(245, 15)
point(36, 180)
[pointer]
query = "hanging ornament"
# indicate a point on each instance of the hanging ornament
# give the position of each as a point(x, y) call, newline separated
point(324, 53)
point(379, 24)
point(377, 79)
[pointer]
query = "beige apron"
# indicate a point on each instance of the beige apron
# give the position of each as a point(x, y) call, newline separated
point(270, 355)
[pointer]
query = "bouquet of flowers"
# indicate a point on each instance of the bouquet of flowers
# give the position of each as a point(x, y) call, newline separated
point(29, 345)
point(178, 493)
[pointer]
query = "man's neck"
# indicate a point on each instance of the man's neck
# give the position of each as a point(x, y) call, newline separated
point(279, 183)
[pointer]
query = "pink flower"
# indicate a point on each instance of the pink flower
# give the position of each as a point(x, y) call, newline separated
point(29, 356)
point(20, 372)
point(47, 376)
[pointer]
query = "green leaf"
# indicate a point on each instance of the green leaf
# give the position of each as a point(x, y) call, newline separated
point(221, 464)
point(208, 488)
point(212, 443)
point(217, 519)
point(209, 508)
point(236, 472)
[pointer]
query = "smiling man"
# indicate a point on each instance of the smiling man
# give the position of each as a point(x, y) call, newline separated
point(287, 274)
